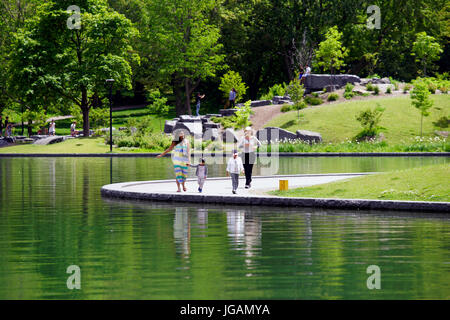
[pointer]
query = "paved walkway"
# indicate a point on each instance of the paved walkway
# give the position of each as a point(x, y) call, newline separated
point(222, 186)
point(218, 191)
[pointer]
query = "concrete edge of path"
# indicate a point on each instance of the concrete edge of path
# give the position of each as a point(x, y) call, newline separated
point(262, 200)
point(284, 154)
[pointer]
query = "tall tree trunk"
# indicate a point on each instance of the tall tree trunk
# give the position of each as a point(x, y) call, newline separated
point(178, 91)
point(85, 111)
point(187, 94)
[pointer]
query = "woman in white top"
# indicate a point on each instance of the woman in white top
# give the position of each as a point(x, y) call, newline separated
point(249, 144)
point(52, 128)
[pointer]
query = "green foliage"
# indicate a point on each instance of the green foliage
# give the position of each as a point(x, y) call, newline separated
point(407, 87)
point(183, 37)
point(286, 108)
point(275, 90)
point(370, 87)
point(376, 90)
point(139, 135)
point(51, 64)
point(369, 120)
point(333, 97)
point(231, 80)
point(348, 93)
point(99, 117)
point(426, 50)
point(37, 117)
point(420, 97)
point(389, 90)
point(313, 101)
point(295, 90)
point(158, 106)
point(242, 115)
point(331, 54)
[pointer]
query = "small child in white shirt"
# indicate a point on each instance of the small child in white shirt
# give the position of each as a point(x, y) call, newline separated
point(234, 168)
point(201, 173)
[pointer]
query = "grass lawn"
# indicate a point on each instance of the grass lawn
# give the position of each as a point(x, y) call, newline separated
point(430, 183)
point(90, 145)
point(119, 120)
point(337, 122)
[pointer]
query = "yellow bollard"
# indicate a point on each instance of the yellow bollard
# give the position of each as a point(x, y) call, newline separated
point(284, 185)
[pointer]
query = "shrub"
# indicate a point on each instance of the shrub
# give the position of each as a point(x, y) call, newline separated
point(406, 88)
point(389, 90)
point(286, 108)
point(376, 90)
point(370, 87)
point(313, 101)
point(369, 120)
point(432, 87)
point(349, 87)
point(333, 97)
point(275, 90)
point(443, 86)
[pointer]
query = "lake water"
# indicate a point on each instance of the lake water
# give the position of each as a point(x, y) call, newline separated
point(52, 216)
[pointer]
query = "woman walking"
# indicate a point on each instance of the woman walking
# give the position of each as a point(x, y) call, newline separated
point(181, 158)
point(249, 144)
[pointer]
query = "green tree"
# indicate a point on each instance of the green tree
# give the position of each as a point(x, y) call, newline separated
point(231, 80)
point(52, 61)
point(185, 45)
point(426, 50)
point(330, 55)
point(370, 120)
point(159, 106)
point(242, 116)
point(420, 96)
point(296, 91)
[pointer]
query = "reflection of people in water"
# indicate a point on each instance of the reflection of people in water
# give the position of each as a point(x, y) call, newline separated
point(244, 229)
point(182, 231)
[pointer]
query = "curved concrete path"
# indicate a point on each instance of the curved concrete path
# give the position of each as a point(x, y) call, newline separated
point(218, 191)
point(222, 186)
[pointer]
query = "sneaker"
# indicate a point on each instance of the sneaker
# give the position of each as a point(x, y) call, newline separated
point(200, 190)
point(247, 186)
point(234, 192)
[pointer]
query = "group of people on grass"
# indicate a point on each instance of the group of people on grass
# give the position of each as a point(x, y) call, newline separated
point(236, 165)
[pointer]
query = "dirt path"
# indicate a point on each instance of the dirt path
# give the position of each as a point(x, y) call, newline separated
point(262, 115)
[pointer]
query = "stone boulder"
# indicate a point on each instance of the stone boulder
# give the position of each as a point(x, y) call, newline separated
point(229, 136)
point(211, 134)
point(274, 134)
point(193, 128)
point(309, 136)
point(3, 142)
point(316, 82)
point(186, 118)
point(210, 125)
point(50, 140)
point(260, 103)
point(169, 125)
point(216, 115)
point(281, 100)
point(227, 112)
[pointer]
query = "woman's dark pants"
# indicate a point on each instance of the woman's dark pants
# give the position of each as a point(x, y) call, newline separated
point(249, 159)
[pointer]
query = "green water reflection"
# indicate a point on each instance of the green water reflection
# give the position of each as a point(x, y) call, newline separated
point(52, 216)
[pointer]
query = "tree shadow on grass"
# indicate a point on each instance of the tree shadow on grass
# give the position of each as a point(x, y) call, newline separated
point(288, 124)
